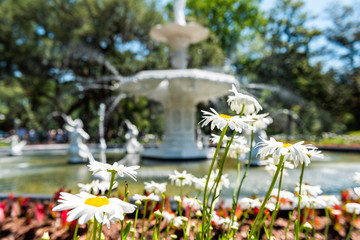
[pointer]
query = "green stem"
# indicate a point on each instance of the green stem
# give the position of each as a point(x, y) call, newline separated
point(143, 220)
point(136, 216)
point(161, 210)
point(112, 180)
point(297, 228)
point(88, 230)
point(327, 223)
point(111, 183)
point(277, 204)
point(76, 230)
point(150, 214)
point(204, 212)
point(218, 177)
point(267, 196)
point(94, 229)
point(236, 199)
point(351, 226)
point(288, 224)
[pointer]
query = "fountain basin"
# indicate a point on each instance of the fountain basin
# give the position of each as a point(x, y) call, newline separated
point(179, 91)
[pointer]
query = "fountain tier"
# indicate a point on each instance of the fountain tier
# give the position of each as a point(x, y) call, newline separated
point(179, 91)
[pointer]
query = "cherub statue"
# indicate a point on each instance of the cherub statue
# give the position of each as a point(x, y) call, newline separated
point(78, 150)
point(132, 145)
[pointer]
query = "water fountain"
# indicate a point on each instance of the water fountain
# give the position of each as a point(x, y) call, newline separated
point(102, 144)
point(178, 89)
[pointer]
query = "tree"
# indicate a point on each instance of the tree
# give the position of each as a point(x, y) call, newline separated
point(66, 56)
point(282, 67)
point(345, 37)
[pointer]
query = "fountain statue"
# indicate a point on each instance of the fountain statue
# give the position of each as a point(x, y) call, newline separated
point(132, 145)
point(78, 150)
point(102, 144)
point(178, 89)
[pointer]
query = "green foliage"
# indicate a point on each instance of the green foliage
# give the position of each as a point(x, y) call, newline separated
point(226, 19)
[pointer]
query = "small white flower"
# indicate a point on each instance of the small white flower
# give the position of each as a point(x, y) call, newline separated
point(353, 207)
point(220, 121)
point(249, 203)
point(183, 178)
point(308, 190)
point(151, 197)
point(96, 167)
point(240, 101)
point(357, 177)
point(168, 217)
point(96, 187)
point(157, 188)
point(192, 203)
point(199, 183)
point(329, 200)
point(294, 153)
point(84, 206)
point(178, 221)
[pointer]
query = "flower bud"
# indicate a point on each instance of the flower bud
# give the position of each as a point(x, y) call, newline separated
point(45, 236)
point(157, 214)
point(138, 202)
point(173, 236)
point(307, 226)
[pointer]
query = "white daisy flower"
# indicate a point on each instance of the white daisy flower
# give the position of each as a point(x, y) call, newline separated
point(308, 190)
point(240, 101)
point(192, 203)
point(151, 197)
point(217, 219)
point(96, 187)
point(353, 207)
point(260, 121)
point(220, 121)
point(238, 147)
point(329, 200)
point(283, 194)
point(357, 177)
point(270, 206)
point(249, 203)
point(155, 187)
point(183, 178)
point(120, 169)
point(271, 168)
point(295, 153)
point(199, 183)
point(84, 206)
point(357, 191)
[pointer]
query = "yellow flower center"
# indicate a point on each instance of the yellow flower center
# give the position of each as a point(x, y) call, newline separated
point(225, 116)
point(97, 201)
point(286, 145)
